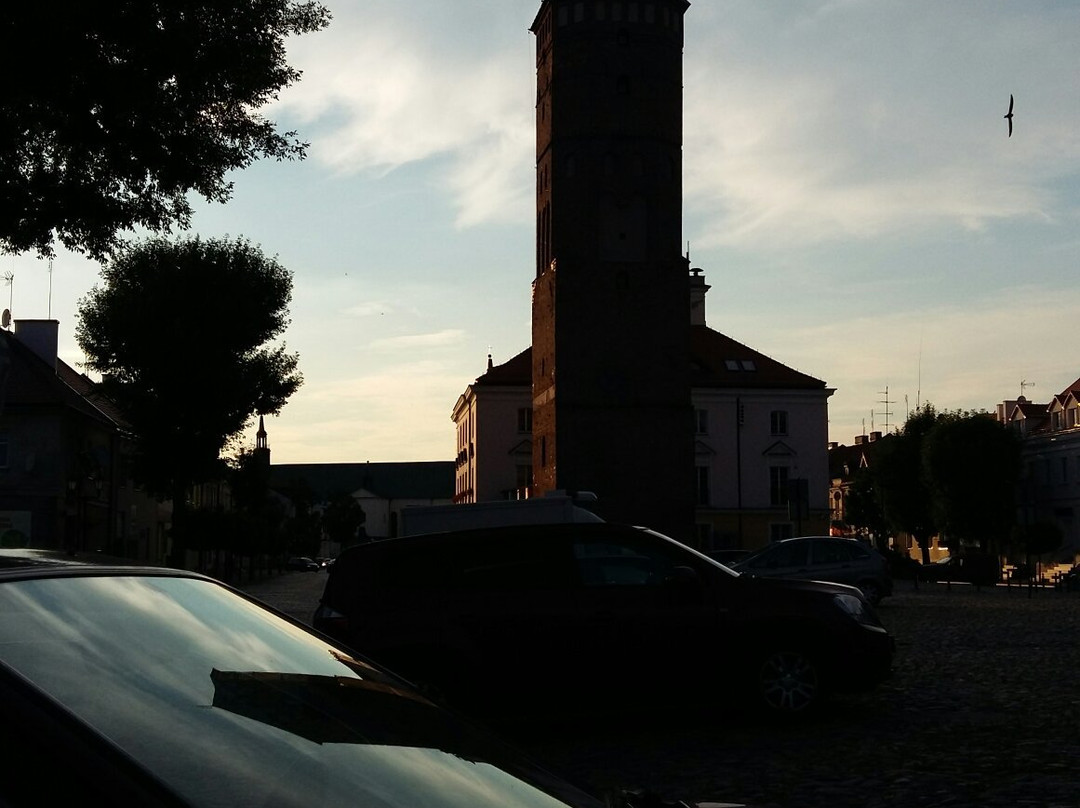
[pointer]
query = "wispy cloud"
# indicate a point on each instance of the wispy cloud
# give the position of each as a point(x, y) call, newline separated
point(381, 92)
point(439, 339)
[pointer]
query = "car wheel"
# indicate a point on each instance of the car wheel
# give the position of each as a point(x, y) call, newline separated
point(788, 682)
point(871, 591)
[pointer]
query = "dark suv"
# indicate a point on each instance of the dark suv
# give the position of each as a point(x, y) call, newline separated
point(546, 619)
point(823, 558)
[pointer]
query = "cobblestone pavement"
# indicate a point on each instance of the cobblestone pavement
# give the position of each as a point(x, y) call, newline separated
point(983, 710)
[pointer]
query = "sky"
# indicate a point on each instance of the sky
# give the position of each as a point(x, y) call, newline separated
point(850, 192)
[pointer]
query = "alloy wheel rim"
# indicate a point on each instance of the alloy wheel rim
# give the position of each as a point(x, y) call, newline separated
point(789, 682)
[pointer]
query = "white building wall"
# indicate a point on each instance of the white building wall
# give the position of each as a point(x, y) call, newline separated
point(500, 445)
point(802, 448)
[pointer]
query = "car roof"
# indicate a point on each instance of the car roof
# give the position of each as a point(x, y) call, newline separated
point(25, 562)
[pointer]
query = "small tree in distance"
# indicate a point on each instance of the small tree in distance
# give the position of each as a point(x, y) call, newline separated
point(181, 334)
point(900, 484)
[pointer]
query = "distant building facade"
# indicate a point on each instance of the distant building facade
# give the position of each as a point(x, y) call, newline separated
point(1050, 480)
point(381, 489)
point(760, 467)
point(65, 458)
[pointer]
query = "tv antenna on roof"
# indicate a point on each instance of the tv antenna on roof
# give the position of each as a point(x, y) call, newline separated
point(1024, 385)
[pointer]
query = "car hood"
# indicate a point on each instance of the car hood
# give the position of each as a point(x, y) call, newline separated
point(795, 585)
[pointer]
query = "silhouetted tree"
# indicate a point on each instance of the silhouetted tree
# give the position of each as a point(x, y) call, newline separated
point(863, 510)
point(181, 335)
point(343, 519)
point(303, 527)
point(113, 113)
point(900, 484)
point(971, 464)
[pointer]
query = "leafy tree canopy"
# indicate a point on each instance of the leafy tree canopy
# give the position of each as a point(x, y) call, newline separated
point(972, 463)
point(181, 333)
point(343, 518)
point(900, 485)
point(129, 105)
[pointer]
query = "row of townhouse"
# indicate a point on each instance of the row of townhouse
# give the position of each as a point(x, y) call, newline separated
point(1050, 481)
point(65, 458)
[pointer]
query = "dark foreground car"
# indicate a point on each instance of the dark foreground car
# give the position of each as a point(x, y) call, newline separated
point(549, 620)
point(823, 558)
point(152, 687)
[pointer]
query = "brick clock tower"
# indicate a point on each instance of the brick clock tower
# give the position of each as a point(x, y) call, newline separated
point(610, 306)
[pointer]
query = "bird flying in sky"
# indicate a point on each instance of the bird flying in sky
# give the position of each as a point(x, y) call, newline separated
point(1008, 115)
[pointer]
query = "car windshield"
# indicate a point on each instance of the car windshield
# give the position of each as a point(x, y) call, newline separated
point(232, 706)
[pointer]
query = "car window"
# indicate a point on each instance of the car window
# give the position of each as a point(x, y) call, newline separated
point(610, 561)
point(231, 706)
point(831, 552)
point(784, 554)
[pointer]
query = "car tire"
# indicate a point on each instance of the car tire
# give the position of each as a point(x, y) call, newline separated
point(788, 682)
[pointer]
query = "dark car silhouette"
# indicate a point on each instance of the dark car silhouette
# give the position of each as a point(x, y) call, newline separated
point(153, 687)
point(545, 620)
point(823, 558)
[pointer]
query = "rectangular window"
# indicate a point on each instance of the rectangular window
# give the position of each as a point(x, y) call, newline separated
point(701, 422)
point(702, 485)
point(778, 486)
point(778, 422)
point(524, 419)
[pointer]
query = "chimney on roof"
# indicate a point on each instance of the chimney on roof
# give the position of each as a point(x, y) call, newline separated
point(40, 336)
point(698, 289)
point(875, 436)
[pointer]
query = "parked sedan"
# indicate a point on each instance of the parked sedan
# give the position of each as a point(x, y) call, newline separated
point(303, 564)
point(823, 558)
point(154, 687)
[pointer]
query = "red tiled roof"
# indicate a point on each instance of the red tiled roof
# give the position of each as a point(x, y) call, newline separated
point(716, 361)
point(516, 372)
point(719, 361)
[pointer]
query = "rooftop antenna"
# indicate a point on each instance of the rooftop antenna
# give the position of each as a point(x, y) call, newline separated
point(918, 389)
point(1024, 385)
point(49, 307)
point(886, 402)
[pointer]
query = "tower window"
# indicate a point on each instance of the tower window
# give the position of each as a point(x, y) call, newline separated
point(579, 11)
